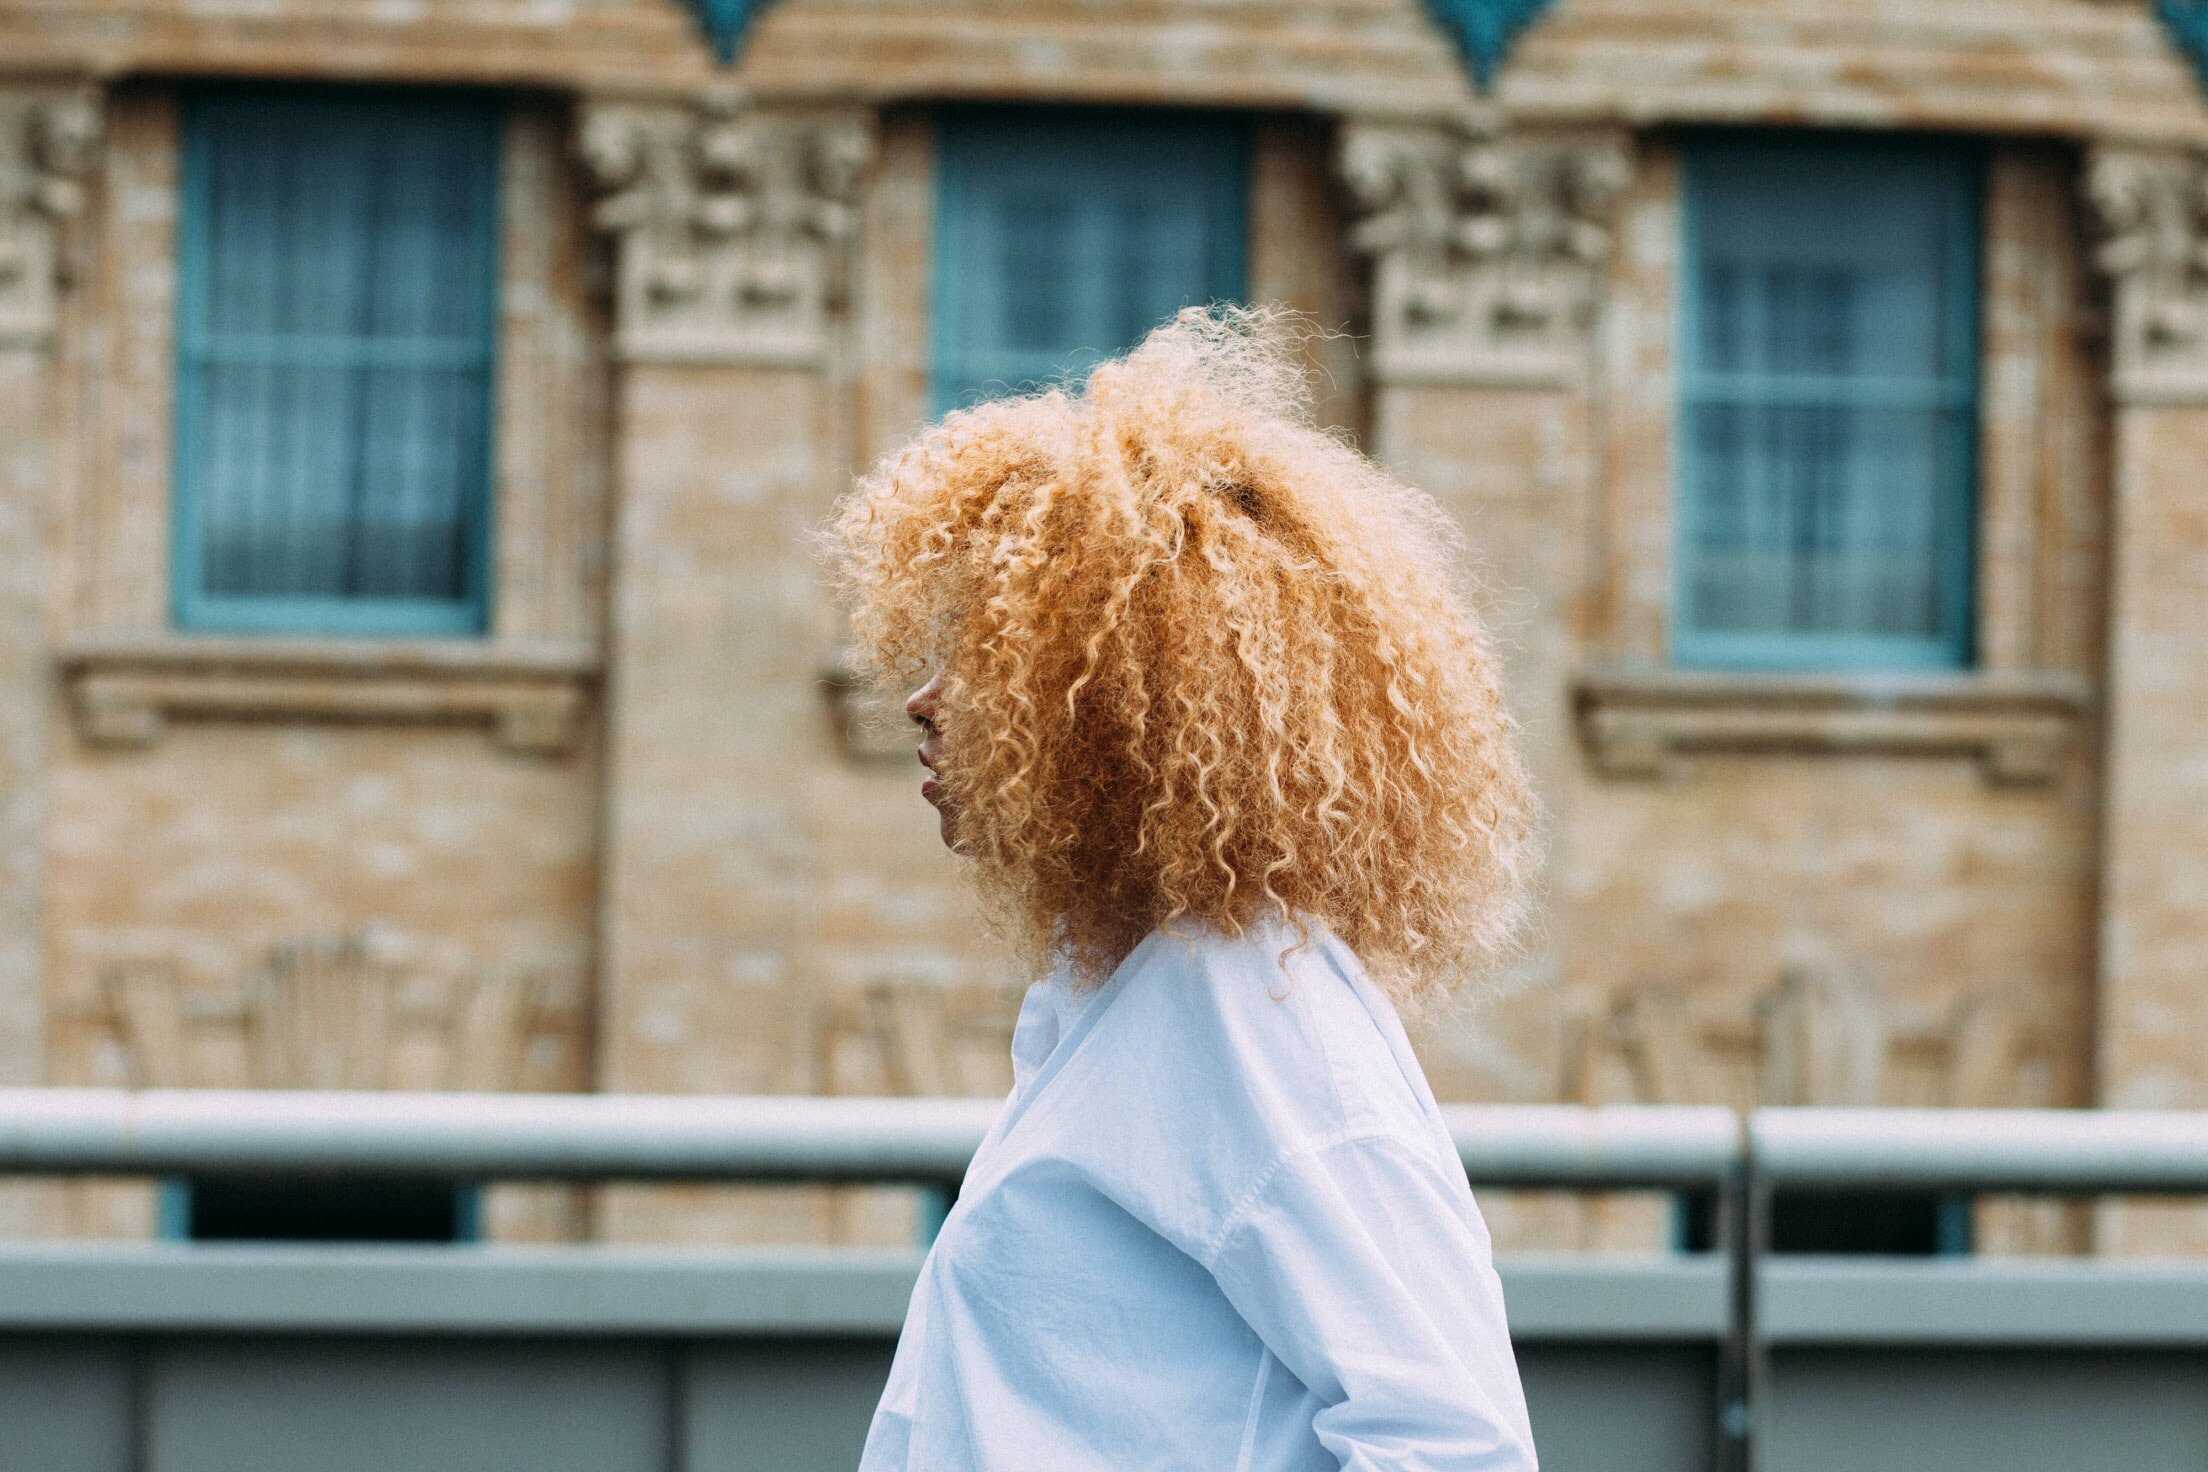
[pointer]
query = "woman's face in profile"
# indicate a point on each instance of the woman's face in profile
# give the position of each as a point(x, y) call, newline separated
point(925, 706)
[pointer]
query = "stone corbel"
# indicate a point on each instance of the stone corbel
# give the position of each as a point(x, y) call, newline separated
point(1489, 246)
point(2151, 206)
point(48, 137)
point(733, 227)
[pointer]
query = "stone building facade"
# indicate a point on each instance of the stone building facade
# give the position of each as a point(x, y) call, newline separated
point(639, 834)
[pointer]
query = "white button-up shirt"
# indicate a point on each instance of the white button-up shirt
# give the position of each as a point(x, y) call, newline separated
point(1219, 1224)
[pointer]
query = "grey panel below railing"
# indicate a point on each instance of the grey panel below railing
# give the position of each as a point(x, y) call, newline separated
point(127, 1358)
point(131, 1358)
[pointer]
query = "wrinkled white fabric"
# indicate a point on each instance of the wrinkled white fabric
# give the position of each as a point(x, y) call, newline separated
point(1219, 1225)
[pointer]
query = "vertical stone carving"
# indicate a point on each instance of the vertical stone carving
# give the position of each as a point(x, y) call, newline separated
point(2152, 209)
point(1488, 246)
point(733, 227)
point(47, 141)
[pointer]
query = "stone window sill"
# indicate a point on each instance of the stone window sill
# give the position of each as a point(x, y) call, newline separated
point(1644, 723)
point(122, 692)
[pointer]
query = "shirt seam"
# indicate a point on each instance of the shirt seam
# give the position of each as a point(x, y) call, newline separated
point(1249, 1199)
point(1316, 947)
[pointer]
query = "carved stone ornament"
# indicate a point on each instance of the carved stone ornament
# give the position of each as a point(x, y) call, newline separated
point(2152, 208)
point(1489, 246)
point(48, 138)
point(734, 228)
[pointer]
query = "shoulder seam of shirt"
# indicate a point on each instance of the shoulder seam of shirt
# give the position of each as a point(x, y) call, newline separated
point(1317, 1145)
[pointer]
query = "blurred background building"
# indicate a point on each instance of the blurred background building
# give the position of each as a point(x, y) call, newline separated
point(415, 669)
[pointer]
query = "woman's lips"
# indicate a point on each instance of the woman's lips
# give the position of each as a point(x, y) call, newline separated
point(929, 789)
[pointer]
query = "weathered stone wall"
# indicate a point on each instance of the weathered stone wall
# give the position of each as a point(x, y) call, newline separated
point(1920, 880)
point(2153, 1004)
point(650, 783)
point(314, 812)
point(49, 140)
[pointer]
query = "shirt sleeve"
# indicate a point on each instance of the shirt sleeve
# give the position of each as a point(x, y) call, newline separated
point(1368, 1274)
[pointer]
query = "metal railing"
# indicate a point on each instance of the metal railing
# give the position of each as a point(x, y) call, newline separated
point(474, 1138)
point(778, 1138)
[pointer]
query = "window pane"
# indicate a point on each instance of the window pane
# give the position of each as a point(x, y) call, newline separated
point(1064, 237)
point(1816, 519)
point(1827, 403)
point(336, 321)
point(275, 438)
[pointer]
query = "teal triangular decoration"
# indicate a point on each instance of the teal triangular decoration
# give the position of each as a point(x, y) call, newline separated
point(1485, 30)
point(2187, 23)
point(724, 23)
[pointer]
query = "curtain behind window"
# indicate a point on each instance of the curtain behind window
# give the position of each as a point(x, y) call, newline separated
point(1062, 237)
point(337, 319)
point(1828, 404)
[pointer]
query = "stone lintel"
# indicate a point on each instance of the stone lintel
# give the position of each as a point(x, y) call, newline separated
point(2019, 724)
point(123, 691)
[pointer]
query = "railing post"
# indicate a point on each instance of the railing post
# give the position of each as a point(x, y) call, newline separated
point(1744, 1233)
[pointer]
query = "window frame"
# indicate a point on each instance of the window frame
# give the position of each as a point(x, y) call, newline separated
point(192, 609)
point(1955, 647)
point(1019, 126)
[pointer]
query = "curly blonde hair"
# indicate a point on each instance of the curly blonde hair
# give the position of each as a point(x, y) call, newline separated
point(1200, 659)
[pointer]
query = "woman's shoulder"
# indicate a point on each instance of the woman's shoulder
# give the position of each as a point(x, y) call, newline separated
point(1209, 1059)
point(1281, 1013)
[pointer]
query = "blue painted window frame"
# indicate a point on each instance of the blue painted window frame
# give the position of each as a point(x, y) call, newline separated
point(192, 607)
point(1200, 155)
point(1953, 645)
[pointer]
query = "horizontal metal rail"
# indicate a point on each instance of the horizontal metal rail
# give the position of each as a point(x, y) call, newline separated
point(659, 1137)
point(705, 1137)
point(487, 1136)
point(2049, 1150)
point(1620, 1145)
point(615, 1291)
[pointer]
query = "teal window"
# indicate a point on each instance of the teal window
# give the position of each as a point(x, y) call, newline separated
point(336, 326)
point(1062, 237)
point(1828, 352)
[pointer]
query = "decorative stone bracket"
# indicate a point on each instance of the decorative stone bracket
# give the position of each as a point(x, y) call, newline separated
point(47, 140)
point(1489, 247)
point(122, 692)
point(2152, 208)
point(733, 228)
point(2019, 724)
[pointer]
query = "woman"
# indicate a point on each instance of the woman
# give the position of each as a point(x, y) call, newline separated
point(1219, 737)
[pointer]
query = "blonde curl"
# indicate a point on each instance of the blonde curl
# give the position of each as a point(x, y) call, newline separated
point(1201, 660)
